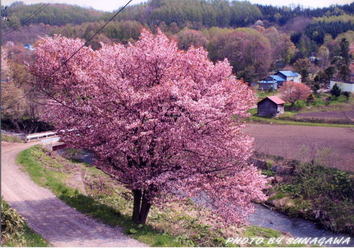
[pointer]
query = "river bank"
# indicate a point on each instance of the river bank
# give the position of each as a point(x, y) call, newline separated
point(291, 221)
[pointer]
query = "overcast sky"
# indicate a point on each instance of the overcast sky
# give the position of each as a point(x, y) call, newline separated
point(110, 5)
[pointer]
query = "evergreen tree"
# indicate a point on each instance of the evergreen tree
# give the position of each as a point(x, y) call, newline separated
point(336, 91)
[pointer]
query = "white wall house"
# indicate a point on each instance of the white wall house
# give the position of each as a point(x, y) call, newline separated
point(276, 80)
point(344, 86)
point(290, 76)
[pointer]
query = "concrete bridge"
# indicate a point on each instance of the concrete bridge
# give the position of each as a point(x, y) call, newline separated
point(49, 139)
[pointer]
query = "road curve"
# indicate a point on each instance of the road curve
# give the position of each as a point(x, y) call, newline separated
point(59, 224)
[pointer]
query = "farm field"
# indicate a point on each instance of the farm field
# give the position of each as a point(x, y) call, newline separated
point(329, 146)
point(339, 116)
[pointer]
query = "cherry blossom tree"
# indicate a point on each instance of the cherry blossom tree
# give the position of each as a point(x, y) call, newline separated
point(157, 118)
point(293, 91)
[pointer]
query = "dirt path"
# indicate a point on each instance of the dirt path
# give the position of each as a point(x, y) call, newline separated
point(58, 223)
point(333, 146)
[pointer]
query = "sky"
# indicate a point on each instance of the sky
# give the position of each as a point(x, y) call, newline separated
point(110, 5)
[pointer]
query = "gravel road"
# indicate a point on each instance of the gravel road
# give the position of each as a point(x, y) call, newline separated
point(59, 224)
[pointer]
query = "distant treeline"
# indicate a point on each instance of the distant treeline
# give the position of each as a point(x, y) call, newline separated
point(190, 13)
point(333, 25)
point(281, 15)
point(18, 14)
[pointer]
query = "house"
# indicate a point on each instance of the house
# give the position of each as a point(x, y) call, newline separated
point(345, 86)
point(270, 106)
point(273, 82)
point(289, 76)
point(28, 46)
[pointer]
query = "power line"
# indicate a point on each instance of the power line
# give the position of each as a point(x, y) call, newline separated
point(91, 37)
point(34, 13)
point(39, 10)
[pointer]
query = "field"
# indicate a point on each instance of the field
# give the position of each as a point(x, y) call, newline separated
point(329, 146)
point(344, 117)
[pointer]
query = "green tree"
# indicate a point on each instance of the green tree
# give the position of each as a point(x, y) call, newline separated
point(302, 66)
point(344, 51)
point(248, 51)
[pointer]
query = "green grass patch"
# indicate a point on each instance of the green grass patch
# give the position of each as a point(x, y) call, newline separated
point(314, 192)
point(264, 120)
point(266, 234)
point(262, 94)
point(28, 238)
point(254, 231)
point(11, 139)
point(15, 231)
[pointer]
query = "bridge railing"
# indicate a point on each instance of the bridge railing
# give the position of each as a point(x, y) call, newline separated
point(40, 135)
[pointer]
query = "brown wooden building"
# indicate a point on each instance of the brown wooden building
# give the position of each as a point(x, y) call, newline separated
point(270, 106)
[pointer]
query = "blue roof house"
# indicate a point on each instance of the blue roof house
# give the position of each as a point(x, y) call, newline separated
point(28, 46)
point(289, 76)
point(273, 82)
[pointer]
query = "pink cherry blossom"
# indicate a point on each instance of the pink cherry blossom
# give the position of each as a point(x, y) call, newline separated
point(158, 119)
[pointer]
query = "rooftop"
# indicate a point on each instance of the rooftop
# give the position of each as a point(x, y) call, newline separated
point(274, 99)
point(277, 77)
point(289, 73)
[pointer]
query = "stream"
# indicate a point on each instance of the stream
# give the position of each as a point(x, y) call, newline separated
point(297, 227)
point(265, 217)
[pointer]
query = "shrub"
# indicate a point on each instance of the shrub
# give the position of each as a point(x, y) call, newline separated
point(318, 102)
point(347, 95)
point(336, 91)
point(299, 104)
point(12, 224)
point(318, 181)
point(10, 139)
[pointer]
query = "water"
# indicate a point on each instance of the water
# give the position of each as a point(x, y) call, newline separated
point(297, 227)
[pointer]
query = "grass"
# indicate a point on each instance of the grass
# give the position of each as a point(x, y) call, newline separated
point(262, 94)
point(264, 120)
point(29, 238)
point(23, 236)
point(11, 139)
point(270, 237)
point(324, 195)
point(178, 224)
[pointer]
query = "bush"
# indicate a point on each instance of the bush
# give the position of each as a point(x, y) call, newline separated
point(347, 95)
point(299, 104)
point(319, 102)
point(336, 91)
point(318, 181)
point(12, 224)
point(11, 139)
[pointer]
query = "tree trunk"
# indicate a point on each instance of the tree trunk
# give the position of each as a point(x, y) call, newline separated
point(144, 211)
point(137, 204)
point(141, 207)
point(16, 125)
